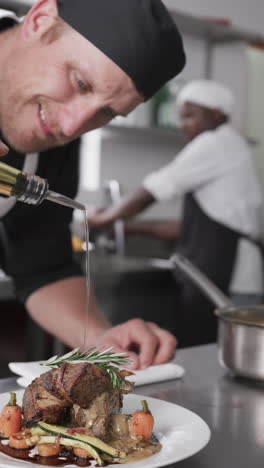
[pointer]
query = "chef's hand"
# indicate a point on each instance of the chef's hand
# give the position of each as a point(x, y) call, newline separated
point(3, 148)
point(144, 342)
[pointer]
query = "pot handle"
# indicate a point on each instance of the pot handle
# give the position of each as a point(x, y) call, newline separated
point(200, 279)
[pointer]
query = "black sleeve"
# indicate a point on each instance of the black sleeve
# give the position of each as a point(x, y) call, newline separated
point(36, 240)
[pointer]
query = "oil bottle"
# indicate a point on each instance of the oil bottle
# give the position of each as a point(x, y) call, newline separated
point(30, 188)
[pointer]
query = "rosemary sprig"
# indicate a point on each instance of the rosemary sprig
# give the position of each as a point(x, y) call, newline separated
point(103, 358)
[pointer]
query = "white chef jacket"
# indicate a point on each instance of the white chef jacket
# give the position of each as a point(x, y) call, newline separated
point(217, 168)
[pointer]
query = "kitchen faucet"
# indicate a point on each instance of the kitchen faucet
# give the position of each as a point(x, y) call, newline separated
point(112, 195)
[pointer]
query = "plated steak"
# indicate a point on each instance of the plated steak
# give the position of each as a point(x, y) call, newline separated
point(82, 392)
point(98, 416)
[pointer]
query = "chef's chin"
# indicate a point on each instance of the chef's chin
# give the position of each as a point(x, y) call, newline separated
point(23, 146)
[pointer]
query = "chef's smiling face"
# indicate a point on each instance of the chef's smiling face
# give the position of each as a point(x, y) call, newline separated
point(197, 119)
point(55, 85)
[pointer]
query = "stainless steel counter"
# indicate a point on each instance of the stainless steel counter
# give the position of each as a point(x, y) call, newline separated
point(233, 409)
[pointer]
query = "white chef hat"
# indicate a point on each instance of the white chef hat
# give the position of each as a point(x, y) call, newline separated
point(207, 93)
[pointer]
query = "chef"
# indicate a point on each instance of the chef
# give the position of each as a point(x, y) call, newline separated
point(215, 174)
point(70, 67)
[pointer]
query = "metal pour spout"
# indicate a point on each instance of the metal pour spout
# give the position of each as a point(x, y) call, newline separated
point(63, 200)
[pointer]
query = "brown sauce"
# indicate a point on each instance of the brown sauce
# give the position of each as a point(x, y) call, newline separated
point(65, 458)
point(135, 450)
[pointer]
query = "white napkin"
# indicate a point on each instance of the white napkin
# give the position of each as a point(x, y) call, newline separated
point(158, 373)
point(28, 371)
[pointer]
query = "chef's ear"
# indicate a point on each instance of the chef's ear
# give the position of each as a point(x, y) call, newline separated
point(218, 116)
point(40, 18)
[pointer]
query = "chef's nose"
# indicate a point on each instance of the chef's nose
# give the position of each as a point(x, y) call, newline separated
point(74, 118)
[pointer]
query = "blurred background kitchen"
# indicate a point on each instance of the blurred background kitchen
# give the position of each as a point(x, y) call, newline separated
point(224, 41)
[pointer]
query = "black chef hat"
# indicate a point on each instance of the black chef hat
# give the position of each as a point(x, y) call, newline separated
point(138, 35)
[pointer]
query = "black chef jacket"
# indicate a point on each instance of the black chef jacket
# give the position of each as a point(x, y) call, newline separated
point(36, 240)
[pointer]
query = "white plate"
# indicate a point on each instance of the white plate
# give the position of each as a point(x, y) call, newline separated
point(181, 432)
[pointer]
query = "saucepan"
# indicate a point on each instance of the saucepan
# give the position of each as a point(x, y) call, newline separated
point(240, 328)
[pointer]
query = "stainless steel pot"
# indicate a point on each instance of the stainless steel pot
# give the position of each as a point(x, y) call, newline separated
point(240, 329)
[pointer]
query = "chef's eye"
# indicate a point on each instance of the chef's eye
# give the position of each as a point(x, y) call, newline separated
point(83, 86)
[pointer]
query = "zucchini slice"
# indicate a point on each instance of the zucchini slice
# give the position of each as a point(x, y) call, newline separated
point(91, 440)
point(72, 443)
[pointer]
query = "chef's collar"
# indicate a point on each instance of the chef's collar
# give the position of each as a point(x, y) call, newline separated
point(138, 35)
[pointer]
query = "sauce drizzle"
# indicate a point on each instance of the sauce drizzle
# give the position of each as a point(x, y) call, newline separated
point(63, 459)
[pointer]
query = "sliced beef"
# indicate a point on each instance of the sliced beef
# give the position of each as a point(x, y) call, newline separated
point(84, 382)
point(50, 396)
point(97, 416)
point(39, 404)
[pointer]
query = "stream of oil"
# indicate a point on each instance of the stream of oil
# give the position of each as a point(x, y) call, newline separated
point(87, 276)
